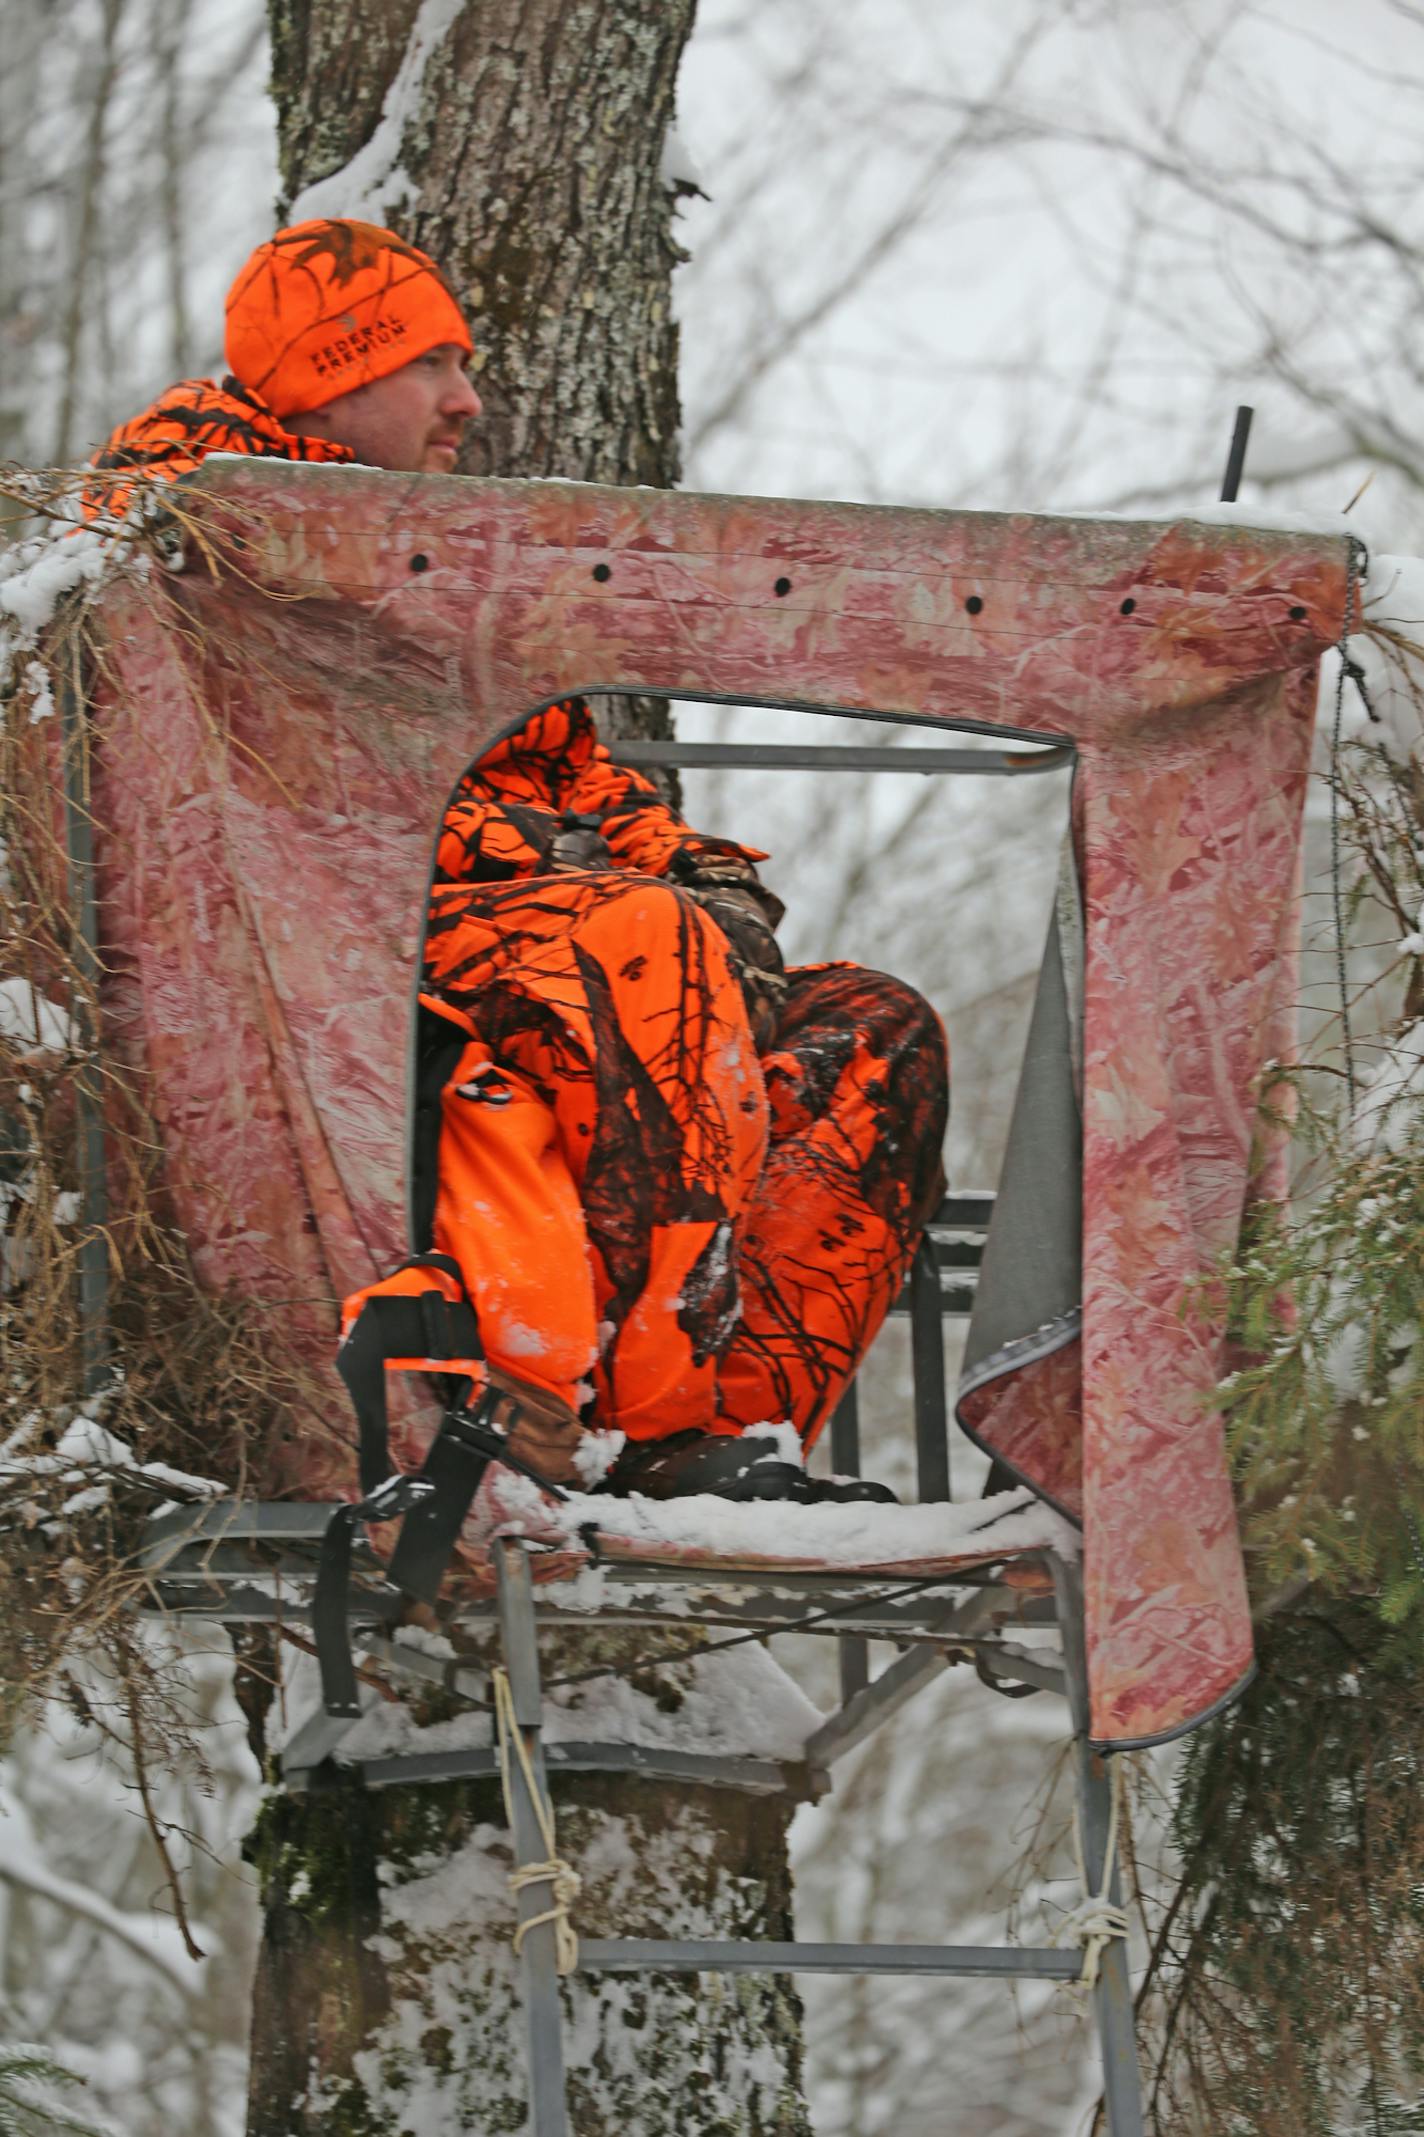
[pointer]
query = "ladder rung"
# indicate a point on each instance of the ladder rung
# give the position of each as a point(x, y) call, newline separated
point(762, 1777)
point(963, 1213)
point(239, 1605)
point(840, 757)
point(237, 1520)
point(675, 1956)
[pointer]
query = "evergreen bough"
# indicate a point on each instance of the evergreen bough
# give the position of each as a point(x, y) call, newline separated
point(29, 2079)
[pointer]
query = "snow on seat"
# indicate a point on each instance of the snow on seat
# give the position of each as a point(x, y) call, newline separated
point(765, 1538)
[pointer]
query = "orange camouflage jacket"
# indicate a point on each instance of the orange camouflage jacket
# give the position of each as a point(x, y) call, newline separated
point(550, 795)
point(553, 776)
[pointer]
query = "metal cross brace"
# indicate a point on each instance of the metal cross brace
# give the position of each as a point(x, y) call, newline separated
point(946, 1637)
point(870, 1708)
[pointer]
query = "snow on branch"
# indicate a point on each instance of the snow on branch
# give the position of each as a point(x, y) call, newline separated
point(374, 184)
point(156, 1942)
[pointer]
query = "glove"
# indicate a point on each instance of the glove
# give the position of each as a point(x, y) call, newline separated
point(540, 1431)
point(738, 913)
point(579, 844)
point(747, 913)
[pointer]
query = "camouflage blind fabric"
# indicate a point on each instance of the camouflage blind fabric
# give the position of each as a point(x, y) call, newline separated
point(276, 740)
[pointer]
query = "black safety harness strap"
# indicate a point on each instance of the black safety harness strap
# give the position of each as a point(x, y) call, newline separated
point(455, 1461)
point(430, 1505)
point(417, 1324)
point(331, 1602)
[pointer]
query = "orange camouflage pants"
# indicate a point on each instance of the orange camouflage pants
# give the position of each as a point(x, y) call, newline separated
point(653, 1223)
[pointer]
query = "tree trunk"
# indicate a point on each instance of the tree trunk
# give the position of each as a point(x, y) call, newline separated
point(388, 2001)
point(521, 145)
point(529, 166)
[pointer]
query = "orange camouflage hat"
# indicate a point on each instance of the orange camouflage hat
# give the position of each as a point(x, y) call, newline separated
point(331, 305)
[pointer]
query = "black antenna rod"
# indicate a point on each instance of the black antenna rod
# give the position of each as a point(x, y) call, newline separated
point(1236, 458)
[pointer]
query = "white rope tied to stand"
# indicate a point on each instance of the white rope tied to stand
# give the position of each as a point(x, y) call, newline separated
point(1095, 1921)
point(561, 1877)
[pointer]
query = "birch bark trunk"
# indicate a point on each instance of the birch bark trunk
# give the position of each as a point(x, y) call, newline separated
point(520, 142)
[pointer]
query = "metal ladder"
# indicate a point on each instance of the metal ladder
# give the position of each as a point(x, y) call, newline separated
point(857, 1719)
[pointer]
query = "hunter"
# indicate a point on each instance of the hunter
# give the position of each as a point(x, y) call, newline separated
point(679, 1185)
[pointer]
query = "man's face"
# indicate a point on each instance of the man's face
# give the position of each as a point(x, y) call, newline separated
point(410, 421)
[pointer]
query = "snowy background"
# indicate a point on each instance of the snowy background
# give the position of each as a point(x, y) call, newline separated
point(1022, 255)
